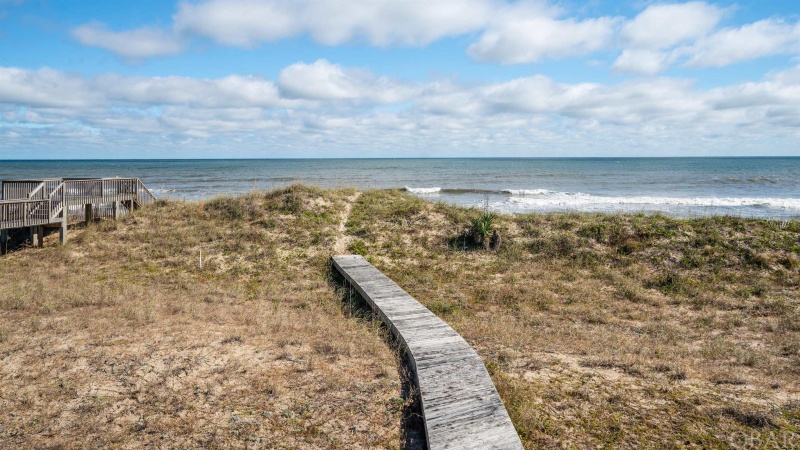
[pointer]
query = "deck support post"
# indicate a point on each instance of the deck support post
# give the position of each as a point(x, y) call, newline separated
point(88, 213)
point(3, 241)
point(115, 210)
point(62, 232)
point(35, 236)
point(40, 236)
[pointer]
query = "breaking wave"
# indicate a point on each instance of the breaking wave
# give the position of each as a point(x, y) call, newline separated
point(526, 191)
point(521, 200)
point(578, 200)
point(423, 190)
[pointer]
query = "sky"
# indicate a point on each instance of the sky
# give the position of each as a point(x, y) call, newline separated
point(398, 78)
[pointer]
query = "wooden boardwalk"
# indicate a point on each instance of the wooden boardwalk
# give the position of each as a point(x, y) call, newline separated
point(54, 202)
point(460, 404)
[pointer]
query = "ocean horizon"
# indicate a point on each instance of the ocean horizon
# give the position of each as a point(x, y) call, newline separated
point(762, 186)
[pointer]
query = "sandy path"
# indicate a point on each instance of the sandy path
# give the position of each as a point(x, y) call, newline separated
point(343, 240)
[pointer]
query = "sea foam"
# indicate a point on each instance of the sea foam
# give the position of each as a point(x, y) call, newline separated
point(579, 200)
point(526, 191)
point(423, 190)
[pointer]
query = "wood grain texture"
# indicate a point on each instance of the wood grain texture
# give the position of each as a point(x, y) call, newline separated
point(460, 405)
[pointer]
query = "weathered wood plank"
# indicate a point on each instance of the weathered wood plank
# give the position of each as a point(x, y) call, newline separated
point(460, 405)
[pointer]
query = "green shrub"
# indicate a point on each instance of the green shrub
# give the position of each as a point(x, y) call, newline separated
point(359, 248)
point(482, 228)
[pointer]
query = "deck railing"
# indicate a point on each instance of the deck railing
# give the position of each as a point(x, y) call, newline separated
point(24, 213)
point(40, 202)
point(144, 195)
point(57, 200)
point(19, 189)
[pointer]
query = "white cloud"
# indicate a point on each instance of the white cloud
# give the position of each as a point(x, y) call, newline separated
point(538, 94)
point(513, 32)
point(751, 95)
point(230, 91)
point(649, 39)
point(246, 23)
point(687, 33)
point(632, 102)
point(789, 76)
point(240, 23)
point(325, 81)
point(388, 22)
point(662, 26)
point(528, 32)
point(447, 98)
point(751, 41)
point(140, 43)
point(507, 32)
point(44, 88)
point(646, 62)
point(333, 110)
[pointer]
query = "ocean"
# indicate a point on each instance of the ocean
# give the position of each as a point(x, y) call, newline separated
point(682, 187)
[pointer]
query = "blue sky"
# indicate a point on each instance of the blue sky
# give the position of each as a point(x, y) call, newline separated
point(383, 78)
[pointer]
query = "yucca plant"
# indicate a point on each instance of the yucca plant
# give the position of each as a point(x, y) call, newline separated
point(483, 227)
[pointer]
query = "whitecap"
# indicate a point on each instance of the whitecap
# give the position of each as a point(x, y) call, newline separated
point(526, 191)
point(577, 200)
point(422, 190)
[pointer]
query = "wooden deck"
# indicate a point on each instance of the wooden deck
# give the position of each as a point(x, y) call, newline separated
point(54, 202)
point(460, 404)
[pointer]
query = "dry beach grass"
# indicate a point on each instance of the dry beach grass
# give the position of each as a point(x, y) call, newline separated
point(120, 339)
point(622, 331)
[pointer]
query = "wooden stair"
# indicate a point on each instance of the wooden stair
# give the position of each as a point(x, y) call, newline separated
point(55, 202)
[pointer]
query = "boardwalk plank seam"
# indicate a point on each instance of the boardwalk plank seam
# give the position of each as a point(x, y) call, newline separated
point(460, 405)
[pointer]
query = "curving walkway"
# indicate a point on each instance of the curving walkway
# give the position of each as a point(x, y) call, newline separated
point(460, 404)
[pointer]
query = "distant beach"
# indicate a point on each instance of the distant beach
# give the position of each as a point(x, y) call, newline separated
point(683, 187)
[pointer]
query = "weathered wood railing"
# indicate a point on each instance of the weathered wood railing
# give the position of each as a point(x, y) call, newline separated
point(34, 203)
point(143, 193)
point(57, 201)
point(26, 189)
point(24, 213)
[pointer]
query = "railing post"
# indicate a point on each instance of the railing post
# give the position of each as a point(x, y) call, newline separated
point(62, 232)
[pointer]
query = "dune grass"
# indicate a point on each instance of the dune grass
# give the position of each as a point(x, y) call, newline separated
point(623, 331)
point(120, 338)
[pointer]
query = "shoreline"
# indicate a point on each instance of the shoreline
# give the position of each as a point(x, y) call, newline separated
point(543, 201)
point(688, 187)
